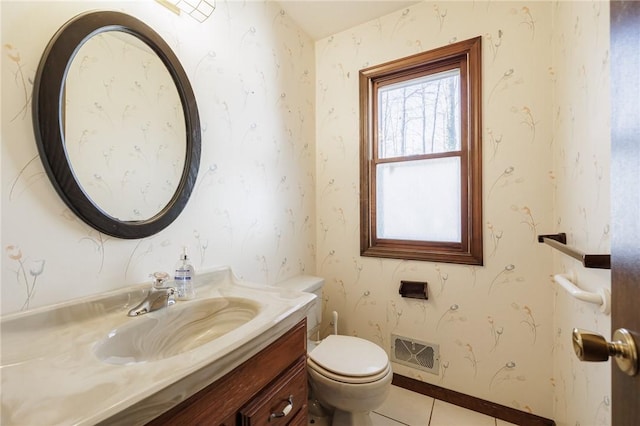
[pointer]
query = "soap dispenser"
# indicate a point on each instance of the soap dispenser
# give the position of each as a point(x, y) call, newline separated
point(184, 277)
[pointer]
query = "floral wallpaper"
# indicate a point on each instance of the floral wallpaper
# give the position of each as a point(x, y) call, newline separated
point(494, 325)
point(580, 171)
point(252, 71)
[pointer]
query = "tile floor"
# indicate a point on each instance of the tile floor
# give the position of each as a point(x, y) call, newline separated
point(404, 407)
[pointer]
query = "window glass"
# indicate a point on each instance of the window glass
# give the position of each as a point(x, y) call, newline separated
point(428, 211)
point(420, 115)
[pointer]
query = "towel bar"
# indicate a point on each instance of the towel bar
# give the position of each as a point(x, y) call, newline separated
point(559, 242)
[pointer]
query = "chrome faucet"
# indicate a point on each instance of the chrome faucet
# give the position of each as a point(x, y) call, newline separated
point(159, 296)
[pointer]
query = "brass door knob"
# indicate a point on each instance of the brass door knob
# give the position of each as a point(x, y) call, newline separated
point(590, 346)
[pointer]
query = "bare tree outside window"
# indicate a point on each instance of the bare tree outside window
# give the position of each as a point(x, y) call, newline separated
point(420, 117)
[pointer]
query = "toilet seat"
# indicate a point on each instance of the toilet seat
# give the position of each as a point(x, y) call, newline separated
point(349, 359)
point(353, 380)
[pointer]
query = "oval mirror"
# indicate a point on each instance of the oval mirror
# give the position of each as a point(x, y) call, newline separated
point(116, 124)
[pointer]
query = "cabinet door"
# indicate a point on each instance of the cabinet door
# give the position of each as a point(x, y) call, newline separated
point(281, 401)
point(230, 421)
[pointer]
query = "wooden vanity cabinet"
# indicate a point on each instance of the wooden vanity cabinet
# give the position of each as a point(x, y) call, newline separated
point(248, 395)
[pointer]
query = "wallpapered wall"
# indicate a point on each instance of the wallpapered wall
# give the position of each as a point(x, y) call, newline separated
point(252, 71)
point(494, 324)
point(581, 145)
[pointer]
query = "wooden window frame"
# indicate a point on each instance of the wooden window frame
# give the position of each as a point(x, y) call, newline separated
point(466, 56)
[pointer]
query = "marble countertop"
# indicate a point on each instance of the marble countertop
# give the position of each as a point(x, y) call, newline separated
point(51, 375)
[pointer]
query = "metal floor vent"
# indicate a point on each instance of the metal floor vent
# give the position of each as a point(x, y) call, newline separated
point(415, 354)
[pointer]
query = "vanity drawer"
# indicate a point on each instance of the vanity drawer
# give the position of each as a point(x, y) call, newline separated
point(300, 419)
point(291, 386)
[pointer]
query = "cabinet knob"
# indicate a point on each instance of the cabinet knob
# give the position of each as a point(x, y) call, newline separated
point(286, 410)
point(590, 346)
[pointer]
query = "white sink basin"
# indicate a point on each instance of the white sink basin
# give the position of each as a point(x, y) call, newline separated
point(175, 329)
point(101, 364)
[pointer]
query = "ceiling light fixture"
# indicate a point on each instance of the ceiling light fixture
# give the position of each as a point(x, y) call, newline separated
point(199, 10)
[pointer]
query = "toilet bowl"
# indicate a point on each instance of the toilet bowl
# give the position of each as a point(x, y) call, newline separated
point(348, 375)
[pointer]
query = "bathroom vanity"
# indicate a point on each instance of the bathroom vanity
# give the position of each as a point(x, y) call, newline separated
point(234, 355)
point(270, 388)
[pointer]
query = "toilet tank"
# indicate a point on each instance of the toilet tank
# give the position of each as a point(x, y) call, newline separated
point(308, 284)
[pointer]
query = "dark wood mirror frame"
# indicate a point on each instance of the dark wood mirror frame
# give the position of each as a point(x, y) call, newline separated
point(47, 101)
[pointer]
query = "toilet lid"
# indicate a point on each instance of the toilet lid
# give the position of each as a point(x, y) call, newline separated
point(350, 356)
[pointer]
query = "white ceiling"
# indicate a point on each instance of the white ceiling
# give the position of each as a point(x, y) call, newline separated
point(321, 18)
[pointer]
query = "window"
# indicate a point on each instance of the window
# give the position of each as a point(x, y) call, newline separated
point(420, 156)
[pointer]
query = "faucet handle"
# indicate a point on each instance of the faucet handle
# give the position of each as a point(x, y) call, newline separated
point(159, 279)
point(171, 295)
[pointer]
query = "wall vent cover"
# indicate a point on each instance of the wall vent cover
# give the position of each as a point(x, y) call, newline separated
point(415, 354)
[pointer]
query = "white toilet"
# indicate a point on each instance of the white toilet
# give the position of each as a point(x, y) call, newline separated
point(348, 375)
